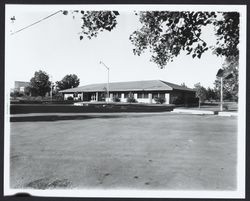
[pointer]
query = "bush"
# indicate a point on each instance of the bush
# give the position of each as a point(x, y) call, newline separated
point(58, 97)
point(16, 94)
point(160, 100)
point(131, 99)
point(70, 98)
point(38, 98)
point(116, 99)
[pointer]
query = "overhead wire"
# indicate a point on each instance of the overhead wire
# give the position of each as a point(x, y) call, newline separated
point(36, 22)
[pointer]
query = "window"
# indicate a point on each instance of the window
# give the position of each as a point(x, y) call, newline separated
point(126, 95)
point(154, 95)
point(162, 95)
point(118, 95)
point(140, 95)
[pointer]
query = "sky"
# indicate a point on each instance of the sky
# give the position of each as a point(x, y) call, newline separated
point(53, 45)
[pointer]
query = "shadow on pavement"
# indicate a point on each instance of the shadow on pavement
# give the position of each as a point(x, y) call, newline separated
point(60, 117)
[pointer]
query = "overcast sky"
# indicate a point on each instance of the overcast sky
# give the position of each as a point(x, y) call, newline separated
point(54, 46)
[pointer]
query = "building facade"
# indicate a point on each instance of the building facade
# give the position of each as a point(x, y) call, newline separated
point(142, 91)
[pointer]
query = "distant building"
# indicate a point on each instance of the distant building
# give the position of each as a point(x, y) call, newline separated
point(20, 86)
point(143, 91)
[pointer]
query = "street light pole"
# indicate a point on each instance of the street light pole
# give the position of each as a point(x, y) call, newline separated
point(51, 86)
point(221, 94)
point(108, 79)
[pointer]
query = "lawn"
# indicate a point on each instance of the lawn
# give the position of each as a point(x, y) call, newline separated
point(141, 151)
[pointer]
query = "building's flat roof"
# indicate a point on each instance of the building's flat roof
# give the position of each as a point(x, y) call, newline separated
point(147, 85)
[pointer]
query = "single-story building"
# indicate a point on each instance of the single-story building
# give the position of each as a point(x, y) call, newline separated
point(142, 91)
point(20, 86)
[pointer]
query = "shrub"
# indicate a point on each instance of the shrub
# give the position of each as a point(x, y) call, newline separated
point(160, 100)
point(131, 98)
point(38, 98)
point(70, 98)
point(116, 99)
point(58, 96)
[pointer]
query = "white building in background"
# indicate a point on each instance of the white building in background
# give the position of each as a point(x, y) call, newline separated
point(142, 91)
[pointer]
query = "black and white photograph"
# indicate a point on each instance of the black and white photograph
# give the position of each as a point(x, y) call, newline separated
point(144, 101)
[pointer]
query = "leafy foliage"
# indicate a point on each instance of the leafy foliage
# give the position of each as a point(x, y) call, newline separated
point(230, 86)
point(227, 30)
point(131, 98)
point(70, 98)
point(167, 33)
point(69, 81)
point(211, 94)
point(94, 22)
point(39, 84)
point(201, 92)
point(116, 99)
point(159, 100)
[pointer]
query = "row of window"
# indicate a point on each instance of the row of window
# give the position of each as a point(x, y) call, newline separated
point(139, 95)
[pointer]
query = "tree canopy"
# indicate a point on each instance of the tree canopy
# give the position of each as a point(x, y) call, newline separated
point(167, 33)
point(201, 92)
point(39, 84)
point(231, 85)
point(69, 81)
point(94, 22)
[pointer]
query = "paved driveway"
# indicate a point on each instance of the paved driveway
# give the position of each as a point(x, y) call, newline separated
point(141, 151)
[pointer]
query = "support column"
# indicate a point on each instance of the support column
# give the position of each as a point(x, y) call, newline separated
point(167, 98)
point(96, 96)
point(111, 97)
point(135, 96)
point(150, 97)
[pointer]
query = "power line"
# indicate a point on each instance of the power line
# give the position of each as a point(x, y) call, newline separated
point(36, 22)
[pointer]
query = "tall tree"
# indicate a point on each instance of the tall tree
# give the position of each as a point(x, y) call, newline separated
point(211, 94)
point(69, 81)
point(166, 34)
point(230, 83)
point(201, 93)
point(39, 84)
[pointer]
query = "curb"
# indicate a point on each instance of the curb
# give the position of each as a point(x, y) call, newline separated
point(228, 114)
point(194, 111)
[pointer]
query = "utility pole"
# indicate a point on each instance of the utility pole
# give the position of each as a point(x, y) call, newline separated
point(221, 94)
point(108, 79)
point(51, 91)
point(220, 75)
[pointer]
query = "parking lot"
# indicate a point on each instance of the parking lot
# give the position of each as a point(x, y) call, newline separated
point(141, 151)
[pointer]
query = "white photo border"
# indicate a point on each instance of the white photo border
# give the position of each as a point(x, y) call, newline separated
point(241, 148)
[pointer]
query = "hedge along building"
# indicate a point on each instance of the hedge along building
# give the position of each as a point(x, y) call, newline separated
point(142, 91)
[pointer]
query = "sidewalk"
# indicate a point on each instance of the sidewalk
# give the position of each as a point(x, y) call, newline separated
point(203, 111)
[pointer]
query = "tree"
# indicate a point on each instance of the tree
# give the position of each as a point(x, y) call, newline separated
point(94, 22)
point(69, 81)
point(230, 84)
point(130, 98)
point(211, 94)
point(201, 93)
point(39, 84)
point(167, 33)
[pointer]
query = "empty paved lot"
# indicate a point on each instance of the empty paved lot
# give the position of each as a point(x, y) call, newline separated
point(143, 151)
